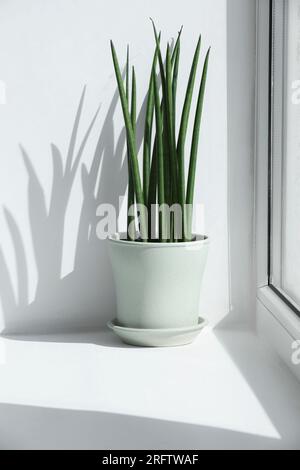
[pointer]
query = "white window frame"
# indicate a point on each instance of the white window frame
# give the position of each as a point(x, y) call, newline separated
point(276, 318)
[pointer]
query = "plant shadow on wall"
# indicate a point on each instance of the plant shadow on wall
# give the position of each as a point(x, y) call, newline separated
point(84, 298)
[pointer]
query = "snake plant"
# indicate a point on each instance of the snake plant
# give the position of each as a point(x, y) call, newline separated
point(160, 202)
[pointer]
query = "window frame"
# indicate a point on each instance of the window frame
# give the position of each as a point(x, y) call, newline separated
point(272, 302)
point(275, 162)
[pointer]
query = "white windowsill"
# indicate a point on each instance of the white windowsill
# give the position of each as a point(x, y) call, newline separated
point(89, 391)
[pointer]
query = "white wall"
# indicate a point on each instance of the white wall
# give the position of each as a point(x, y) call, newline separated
point(241, 73)
point(48, 51)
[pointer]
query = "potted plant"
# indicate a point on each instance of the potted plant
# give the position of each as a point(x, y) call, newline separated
point(159, 263)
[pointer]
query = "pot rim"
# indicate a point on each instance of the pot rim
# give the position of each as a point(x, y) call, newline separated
point(119, 237)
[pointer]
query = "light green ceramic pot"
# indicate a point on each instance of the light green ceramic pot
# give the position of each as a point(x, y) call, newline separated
point(157, 284)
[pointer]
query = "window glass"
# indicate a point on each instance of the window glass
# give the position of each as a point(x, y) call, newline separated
point(285, 253)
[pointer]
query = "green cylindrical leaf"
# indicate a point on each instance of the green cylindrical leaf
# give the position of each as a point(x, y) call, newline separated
point(133, 101)
point(177, 45)
point(170, 130)
point(160, 60)
point(160, 163)
point(131, 145)
point(184, 122)
point(148, 132)
point(152, 198)
point(174, 84)
point(130, 198)
point(195, 142)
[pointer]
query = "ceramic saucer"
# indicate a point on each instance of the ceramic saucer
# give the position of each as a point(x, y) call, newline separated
point(157, 337)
